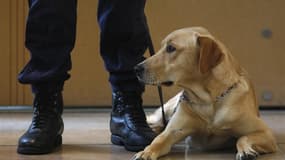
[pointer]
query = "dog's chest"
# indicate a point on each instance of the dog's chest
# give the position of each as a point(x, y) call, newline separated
point(205, 111)
point(215, 120)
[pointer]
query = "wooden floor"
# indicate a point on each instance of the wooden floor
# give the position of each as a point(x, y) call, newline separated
point(86, 137)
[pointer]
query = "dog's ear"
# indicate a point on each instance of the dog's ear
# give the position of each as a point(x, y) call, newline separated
point(210, 53)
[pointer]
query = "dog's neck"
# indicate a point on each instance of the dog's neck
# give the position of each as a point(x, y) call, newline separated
point(214, 87)
point(197, 99)
point(197, 94)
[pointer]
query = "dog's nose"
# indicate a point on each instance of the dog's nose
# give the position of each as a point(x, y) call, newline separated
point(139, 68)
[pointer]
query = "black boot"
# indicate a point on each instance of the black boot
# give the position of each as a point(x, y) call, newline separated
point(128, 123)
point(44, 133)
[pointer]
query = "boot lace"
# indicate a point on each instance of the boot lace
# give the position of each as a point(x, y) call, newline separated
point(138, 118)
point(134, 113)
point(42, 113)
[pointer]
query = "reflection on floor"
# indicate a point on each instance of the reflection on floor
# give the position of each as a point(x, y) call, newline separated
point(86, 136)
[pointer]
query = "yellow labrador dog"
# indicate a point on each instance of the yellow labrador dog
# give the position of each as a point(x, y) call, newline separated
point(217, 103)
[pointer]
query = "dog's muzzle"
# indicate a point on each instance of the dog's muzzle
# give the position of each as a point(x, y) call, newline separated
point(147, 77)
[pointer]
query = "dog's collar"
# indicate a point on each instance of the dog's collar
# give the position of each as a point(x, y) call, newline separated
point(185, 97)
point(226, 92)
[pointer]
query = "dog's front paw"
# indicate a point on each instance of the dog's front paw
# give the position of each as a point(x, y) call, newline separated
point(145, 155)
point(155, 122)
point(246, 152)
point(246, 156)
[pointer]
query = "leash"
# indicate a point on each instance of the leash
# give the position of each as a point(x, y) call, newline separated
point(152, 52)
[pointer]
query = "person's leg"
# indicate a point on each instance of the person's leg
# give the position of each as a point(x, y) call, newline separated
point(123, 41)
point(50, 37)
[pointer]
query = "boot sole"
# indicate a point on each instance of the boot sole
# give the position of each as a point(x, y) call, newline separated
point(117, 140)
point(40, 150)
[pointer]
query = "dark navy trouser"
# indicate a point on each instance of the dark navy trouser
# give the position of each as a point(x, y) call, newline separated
point(50, 38)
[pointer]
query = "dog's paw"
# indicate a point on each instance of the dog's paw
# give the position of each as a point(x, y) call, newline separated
point(156, 128)
point(145, 155)
point(155, 123)
point(252, 155)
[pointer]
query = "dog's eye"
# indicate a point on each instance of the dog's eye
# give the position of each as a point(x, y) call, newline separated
point(170, 48)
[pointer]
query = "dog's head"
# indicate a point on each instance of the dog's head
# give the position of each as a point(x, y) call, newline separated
point(185, 54)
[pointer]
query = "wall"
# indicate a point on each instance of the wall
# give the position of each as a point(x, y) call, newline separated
point(241, 25)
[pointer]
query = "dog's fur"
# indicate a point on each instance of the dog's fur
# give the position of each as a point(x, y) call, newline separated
point(222, 105)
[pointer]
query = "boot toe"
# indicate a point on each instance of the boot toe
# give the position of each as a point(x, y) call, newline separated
point(33, 140)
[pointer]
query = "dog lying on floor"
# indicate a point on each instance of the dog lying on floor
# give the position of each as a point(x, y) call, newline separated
point(217, 103)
